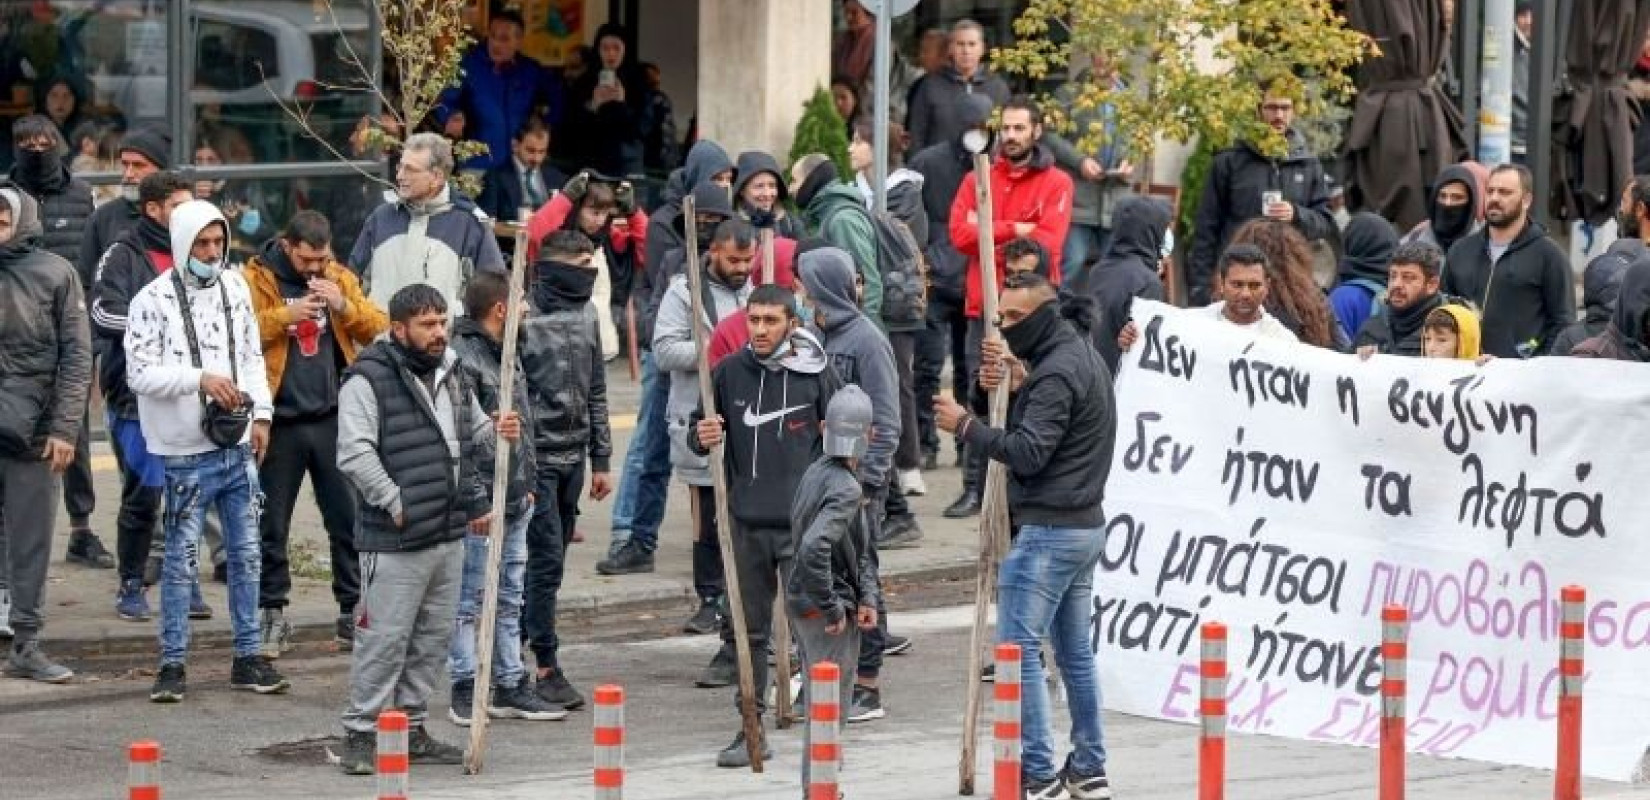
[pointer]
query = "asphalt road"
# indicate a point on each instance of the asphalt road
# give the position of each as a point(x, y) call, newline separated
point(68, 742)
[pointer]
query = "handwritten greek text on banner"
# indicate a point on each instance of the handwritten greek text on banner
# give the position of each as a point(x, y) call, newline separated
point(1291, 492)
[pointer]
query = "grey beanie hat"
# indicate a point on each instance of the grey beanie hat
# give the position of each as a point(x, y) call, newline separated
point(848, 423)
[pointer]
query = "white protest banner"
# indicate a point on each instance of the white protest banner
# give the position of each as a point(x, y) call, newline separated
point(1291, 492)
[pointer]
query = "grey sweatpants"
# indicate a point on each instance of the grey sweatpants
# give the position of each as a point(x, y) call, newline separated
point(403, 627)
point(28, 512)
point(842, 650)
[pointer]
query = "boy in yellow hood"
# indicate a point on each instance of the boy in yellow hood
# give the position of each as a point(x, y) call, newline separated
point(1452, 331)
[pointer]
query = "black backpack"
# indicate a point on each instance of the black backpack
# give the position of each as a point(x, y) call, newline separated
point(899, 262)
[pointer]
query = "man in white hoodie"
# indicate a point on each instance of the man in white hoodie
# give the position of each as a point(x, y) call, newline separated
point(193, 357)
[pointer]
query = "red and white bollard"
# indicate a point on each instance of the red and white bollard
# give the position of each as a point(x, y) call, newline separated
point(609, 737)
point(1211, 750)
point(1572, 642)
point(1394, 687)
point(143, 770)
point(392, 756)
point(824, 718)
point(1005, 725)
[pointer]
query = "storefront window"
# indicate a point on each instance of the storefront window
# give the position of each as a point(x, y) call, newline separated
point(258, 208)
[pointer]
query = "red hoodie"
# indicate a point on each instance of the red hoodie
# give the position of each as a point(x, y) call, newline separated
point(552, 215)
point(1037, 193)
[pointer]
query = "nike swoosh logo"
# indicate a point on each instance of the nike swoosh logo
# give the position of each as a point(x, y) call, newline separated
point(758, 420)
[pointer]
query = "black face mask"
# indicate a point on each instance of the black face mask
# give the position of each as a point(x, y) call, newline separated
point(1023, 337)
point(34, 167)
point(419, 362)
point(1452, 222)
point(565, 284)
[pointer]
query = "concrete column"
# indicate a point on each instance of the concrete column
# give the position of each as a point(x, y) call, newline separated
point(759, 61)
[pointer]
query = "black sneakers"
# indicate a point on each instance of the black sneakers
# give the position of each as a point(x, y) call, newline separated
point(87, 550)
point(708, 619)
point(866, 706)
point(1052, 789)
point(899, 532)
point(723, 669)
point(630, 559)
point(169, 685)
point(1086, 787)
point(463, 699)
point(966, 506)
point(896, 645)
point(358, 755)
point(422, 748)
point(737, 754)
point(522, 702)
point(555, 690)
point(256, 674)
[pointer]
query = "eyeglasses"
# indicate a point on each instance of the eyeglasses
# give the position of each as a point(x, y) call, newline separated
point(1278, 108)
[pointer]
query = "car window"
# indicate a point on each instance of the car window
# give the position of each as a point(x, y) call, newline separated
point(231, 57)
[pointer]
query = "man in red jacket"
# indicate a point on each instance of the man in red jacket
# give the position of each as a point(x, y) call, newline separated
point(1030, 197)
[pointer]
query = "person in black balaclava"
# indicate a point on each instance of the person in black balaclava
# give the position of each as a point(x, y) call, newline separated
point(567, 380)
point(1367, 242)
point(1455, 208)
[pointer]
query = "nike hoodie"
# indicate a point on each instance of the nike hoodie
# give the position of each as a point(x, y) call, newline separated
point(772, 408)
point(158, 364)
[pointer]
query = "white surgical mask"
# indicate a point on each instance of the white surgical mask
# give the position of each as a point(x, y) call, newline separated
point(975, 141)
point(1168, 244)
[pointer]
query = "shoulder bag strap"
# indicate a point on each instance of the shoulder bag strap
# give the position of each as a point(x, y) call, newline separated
point(188, 324)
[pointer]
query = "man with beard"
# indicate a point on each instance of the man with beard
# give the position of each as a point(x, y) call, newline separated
point(771, 437)
point(727, 267)
point(1057, 445)
point(1516, 275)
point(1411, 294)
point(561, 355)
point(408, 426)
point(1601, 282)
point(1455, 208)
point(1030, 197)
point(313, 319)
point(65, 208)
point(1245, 183)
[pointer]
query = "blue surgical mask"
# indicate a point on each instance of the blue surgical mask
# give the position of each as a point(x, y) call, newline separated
point(250, 221)
point(204, 271)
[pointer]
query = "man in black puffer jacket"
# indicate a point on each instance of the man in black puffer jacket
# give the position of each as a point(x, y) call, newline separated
point(65, 205)
point(45, 373)
point(409, 425)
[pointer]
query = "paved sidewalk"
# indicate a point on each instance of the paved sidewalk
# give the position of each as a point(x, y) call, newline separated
point(81, 619)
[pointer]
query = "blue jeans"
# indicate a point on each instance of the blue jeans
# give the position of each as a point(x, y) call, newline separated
point(461, 658)
point(644, 483)
point(1084, 243)
point(228, 480)
point(1047, 591)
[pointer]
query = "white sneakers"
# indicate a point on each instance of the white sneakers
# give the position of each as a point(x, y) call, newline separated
point(911, 481)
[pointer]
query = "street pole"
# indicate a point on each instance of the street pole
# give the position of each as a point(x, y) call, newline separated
point(1495, 101)
point(879, 131)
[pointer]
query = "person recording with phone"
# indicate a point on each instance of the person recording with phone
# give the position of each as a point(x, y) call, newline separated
point(1245, 183)
point(612, 113)
point(313, 319)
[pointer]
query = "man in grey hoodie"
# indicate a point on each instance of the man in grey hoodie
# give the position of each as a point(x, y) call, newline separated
point(727, 268)
point(862, 356)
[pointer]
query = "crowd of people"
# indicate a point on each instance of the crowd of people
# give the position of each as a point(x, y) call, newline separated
point(380, 376)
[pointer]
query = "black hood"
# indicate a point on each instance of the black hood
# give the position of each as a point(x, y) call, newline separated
point(708, 198)
point(973, 113)
point(1454, 173)
point(704, 159)
point(275, 258)
point(1368, 241)
point(1601, 282)
point(823, 175)
point(753, 163)
point(1138, 227)
point(1633, 303)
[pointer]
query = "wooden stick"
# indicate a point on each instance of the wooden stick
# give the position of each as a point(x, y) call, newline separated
point(994, 501)
point(635, 355)
point(495, 532)
point(781, 660)
point(768, 265)
point(719, 485)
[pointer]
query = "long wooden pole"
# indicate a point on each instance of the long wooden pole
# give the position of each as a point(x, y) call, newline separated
point(768, 265)
point(719, 485)
point(495, 531)
point(994, 502)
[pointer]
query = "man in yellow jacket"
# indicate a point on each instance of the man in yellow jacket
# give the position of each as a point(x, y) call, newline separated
point(313, 319)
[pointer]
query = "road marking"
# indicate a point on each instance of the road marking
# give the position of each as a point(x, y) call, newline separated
point(105, 462)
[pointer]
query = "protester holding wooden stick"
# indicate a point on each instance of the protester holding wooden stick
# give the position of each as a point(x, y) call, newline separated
point(695, 302)
point(769, 403)
point(1057, 445)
